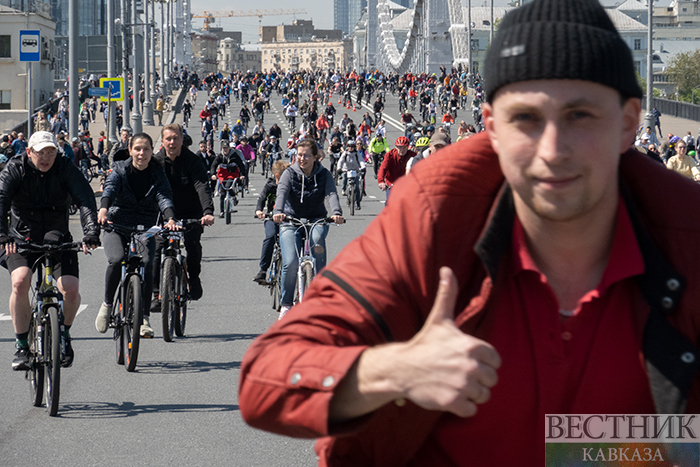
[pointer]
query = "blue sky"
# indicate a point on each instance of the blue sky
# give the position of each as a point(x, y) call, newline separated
point(321, 11)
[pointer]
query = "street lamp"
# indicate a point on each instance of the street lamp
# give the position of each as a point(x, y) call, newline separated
point(147, 105)
point(693, 93)
point(125, 67)
point(136, 85)
point(648, 117)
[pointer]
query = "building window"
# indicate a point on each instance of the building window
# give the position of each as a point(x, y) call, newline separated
point(5, 99)
point(638, 66)
point(475, 44)
point(5, 47)
point(637, 44)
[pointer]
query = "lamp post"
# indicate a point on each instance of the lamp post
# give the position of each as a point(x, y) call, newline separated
point(147, 105)
point(152, 37)
point(136, 85)
point(469, 43)
point(648, 117)
point(163, 59)
point(693, 93)
point(112, 125)
point(125, 69)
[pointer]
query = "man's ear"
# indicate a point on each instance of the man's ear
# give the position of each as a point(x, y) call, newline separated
point(631, 110)
point(489, 123)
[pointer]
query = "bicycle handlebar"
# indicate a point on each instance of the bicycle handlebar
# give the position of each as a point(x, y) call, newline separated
point(48, 248)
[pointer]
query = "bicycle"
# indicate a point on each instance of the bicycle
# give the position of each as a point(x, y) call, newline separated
point(230, 185)
point(175, 283)
point(273, 278)
point(46, 328)
point(127, 306)
point(306, 269)
point(353, 196)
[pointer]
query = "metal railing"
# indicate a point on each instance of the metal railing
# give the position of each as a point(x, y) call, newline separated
point(678, 109)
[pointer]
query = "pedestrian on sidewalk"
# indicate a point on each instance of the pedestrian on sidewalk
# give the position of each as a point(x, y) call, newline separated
point(160, 106)
point(657, 122)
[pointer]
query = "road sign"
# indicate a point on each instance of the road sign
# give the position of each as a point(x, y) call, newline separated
point(29, 45)
point(117, 85)
point(101, 92)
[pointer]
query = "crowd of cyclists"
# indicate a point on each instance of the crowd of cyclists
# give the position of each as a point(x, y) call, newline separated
point(146, 185)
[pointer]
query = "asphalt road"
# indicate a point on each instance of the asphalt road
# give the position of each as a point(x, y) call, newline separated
point(180, 407)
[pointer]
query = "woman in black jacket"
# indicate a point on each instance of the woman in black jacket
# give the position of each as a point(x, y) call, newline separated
point(135, 193)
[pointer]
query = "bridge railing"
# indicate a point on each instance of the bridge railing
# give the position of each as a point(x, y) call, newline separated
point(675, 108)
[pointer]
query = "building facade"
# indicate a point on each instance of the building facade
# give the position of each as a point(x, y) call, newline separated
point(346, 14)
point(205, 49)
point(233, 56)
point(307, 55)
point(13, 88)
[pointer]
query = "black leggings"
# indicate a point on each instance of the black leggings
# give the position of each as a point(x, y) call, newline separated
point(115, 246)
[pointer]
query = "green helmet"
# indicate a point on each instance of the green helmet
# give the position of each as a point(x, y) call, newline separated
point(422, 142)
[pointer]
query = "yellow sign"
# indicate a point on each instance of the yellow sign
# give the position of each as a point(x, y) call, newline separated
point(117, 85)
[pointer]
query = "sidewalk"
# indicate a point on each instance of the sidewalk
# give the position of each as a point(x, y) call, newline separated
point(676, 126)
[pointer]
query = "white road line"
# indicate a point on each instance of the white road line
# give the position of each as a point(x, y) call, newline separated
point(81, 308)
point(7, 317)
point(372, 197)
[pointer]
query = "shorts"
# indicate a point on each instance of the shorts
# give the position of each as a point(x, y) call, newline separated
point(68, 265)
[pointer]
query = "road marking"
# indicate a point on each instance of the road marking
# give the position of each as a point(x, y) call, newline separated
point(7, 317)
point(372, 197)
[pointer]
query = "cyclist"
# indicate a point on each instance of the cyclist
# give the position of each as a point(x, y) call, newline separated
point(193, 93)
point(266, 201)
point(188, 176)
point(225, 133)
point(351, 160)
point(208, 129)
point(39, 187)
point(248, 156)
point(301, 193)
point(229, 157)
point(394, 165)
point(238, 129)
point(186, 111)
point(377, 148)
point(407, 118)
point(135, 193)
point(425, 147)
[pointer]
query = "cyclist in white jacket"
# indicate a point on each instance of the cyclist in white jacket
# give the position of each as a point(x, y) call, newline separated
point(351, 160)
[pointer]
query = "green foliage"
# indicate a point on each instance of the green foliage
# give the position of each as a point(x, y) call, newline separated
point(684, 70)
point(643, 84)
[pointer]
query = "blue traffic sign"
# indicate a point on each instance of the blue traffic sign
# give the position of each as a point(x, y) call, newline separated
point(29, 45)
point(117, 85)
point(100, 92)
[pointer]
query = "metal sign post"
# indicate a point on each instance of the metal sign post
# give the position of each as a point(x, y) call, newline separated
point(29, 51)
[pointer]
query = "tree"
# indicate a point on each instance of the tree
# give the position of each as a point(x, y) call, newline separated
point(684, 70)
point(643, 84)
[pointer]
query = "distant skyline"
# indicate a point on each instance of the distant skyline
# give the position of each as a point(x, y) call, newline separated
point(321, 12)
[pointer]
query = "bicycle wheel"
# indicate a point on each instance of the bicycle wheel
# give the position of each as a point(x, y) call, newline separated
point(351, 198)
point(182, 298)
point(132, 317)
point(276, 282)
point(36, 368)
point(116, 319)
point(169, 298)
point(52, 359)
point(227, 208)
point(307, 274)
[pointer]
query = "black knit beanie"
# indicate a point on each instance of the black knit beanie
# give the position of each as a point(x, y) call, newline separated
point(560, 39)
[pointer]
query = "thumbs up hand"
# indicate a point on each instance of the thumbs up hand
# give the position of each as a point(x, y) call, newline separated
point(443, 368)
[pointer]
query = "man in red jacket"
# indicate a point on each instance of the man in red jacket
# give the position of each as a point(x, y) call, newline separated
point(529, 270)
point(394, 165)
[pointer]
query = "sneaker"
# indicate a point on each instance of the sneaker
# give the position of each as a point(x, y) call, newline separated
point(260, 277)
point(68, 354)
point(196, 291)
point(155, 305)
point(146, 329)
point(359, 208)
point(21, 360)
point(102, 320)
point(343, 193)
point(283, 311)
point(221, 215)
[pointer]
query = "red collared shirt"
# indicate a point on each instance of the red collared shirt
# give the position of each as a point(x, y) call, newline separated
point(586, 364)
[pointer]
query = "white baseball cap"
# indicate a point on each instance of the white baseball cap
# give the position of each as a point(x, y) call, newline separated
point(41, 140)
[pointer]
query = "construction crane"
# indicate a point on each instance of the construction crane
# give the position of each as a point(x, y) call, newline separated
point(209, 16)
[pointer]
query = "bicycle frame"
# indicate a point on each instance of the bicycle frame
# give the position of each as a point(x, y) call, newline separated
point(304, 254)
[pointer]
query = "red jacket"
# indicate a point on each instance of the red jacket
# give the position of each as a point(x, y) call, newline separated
point(381, 287)
point(393, 167)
